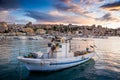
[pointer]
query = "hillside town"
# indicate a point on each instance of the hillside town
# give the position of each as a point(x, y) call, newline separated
point(31, 29)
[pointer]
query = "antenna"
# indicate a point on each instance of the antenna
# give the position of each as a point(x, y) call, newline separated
point(66, 48)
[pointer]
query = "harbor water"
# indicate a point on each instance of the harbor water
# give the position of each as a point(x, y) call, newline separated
point(105, 65)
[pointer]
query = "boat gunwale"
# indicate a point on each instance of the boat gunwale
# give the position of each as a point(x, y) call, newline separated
point(52, 59)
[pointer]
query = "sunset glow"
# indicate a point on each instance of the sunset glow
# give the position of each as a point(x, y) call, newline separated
point(81, 12)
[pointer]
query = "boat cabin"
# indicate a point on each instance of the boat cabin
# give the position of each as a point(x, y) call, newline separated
point(71, 48)
point(64, 49)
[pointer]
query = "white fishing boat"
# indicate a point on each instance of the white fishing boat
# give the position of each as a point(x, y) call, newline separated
point(101, 37)
point(47, 36)
point(35, 38)
point(70, 53)
point(20, 37)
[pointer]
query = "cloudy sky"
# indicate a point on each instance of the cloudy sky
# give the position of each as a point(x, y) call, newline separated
point(82, 12)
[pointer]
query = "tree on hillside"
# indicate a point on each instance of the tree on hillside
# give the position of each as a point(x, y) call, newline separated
point(40, 31)
point(29, 31)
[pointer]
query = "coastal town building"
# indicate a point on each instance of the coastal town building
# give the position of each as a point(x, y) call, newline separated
point(38, 29)
point(3, 27)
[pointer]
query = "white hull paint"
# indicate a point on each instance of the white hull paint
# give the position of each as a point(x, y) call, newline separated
point(54, 64)
point(21, 37)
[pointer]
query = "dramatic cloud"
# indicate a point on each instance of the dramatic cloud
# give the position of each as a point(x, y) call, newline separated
point(9, 4)
point(69, 6)
point(42, 16)
point(115, 6)
point(66, 1)
point(56, 17)
point(23, 4)
point(89, 2)
point(4, 15)
point(77, 7)
point(108, 17)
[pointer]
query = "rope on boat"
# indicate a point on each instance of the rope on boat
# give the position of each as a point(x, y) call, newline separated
point(96, 52)
point(97, 56)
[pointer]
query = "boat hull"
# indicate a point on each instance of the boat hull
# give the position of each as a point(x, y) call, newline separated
point(54, 64)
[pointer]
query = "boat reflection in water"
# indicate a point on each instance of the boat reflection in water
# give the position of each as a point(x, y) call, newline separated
point(79, 72)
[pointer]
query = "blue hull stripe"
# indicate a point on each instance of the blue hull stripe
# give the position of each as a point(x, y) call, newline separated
point(62, 63)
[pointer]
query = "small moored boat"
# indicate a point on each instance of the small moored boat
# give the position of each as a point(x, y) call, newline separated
point(35, 38)
point(68, 54)
point(20, 37)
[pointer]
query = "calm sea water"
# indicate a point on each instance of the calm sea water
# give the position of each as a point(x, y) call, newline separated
point(104, 66)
